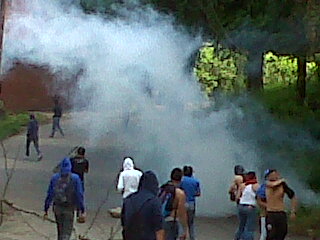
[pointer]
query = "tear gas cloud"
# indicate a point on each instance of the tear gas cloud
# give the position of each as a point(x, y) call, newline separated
point(134, 82)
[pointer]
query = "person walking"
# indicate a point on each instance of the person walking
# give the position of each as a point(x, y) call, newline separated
point(80, 165)
point(57, 114)
point(33, 136)
point(141, 216)
point(129, 178)
point(191, 187)
point(173, 200)
point(262, 202)
point(276, 219)
point(237, 181)
point(247, 212)
point(66, 194)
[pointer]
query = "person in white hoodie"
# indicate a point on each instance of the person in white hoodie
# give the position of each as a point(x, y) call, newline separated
point(129, 178)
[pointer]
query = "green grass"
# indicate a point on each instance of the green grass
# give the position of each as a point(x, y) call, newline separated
point(13, 124)
point(307, 222)
point(281, 101)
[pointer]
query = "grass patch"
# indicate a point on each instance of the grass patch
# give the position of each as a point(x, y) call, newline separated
point(307, 222)
point(13, 124)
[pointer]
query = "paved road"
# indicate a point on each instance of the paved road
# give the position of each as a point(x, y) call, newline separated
point(31, 178)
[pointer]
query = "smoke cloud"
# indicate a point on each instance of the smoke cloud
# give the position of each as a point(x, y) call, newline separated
point(134, 82)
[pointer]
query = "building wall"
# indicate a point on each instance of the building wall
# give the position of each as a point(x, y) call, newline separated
point(26, 88)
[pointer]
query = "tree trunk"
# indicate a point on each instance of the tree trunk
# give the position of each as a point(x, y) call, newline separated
point(255, 72)
point(301, 82)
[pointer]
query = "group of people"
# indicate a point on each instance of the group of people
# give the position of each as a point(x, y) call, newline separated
point(269, 197)
point(33, 129)
point(153, 213)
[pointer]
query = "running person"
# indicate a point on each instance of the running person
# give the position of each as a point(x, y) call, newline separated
point(276, 220)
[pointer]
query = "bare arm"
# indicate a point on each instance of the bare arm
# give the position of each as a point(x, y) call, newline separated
point(181, 210)
point(261, 203)
point(273, 184)
point(294, 204)
point(160, 235)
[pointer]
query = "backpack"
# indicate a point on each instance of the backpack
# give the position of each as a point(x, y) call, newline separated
point(166, 195)
point(64, 192)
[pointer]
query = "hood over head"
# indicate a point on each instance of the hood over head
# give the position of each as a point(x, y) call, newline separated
point(148, 189)
point(65, 166)
point(128, 164)
point(149, 182)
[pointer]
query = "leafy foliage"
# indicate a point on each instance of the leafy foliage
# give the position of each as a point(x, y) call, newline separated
point(219, 68)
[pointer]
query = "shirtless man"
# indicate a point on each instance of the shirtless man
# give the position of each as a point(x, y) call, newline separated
point(178, 215)
point(276, 220)
point(237, 181)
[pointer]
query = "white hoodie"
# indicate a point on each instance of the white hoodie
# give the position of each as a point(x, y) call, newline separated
point(129, 178)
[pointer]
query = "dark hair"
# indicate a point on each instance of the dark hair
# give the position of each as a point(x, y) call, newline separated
point(187, 171)
point(81, 151)
point(239, 170)
point(250, 175)
point(32, 116)
point(176, 174)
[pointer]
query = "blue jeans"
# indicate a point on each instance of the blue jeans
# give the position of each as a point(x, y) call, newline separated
point(247, 222)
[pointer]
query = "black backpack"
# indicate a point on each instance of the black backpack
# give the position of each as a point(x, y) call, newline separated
point(64, 192)
point(167, 195)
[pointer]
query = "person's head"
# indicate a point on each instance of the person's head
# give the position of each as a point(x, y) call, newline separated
point(250, 176)
point(81, 151)
point(128, 163)
point(32, 116)
point(149, 182)
point(65, 166)
point(56, 101)
point(272, 175)
point(239, 170)
point(187, 171)
point(176, 175)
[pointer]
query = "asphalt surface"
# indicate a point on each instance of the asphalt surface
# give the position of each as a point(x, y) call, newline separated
point(31, 178)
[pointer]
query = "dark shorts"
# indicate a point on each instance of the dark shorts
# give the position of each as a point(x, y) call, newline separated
point(277, 225)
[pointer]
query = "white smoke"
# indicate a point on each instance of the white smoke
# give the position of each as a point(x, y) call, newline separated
point(134, 66)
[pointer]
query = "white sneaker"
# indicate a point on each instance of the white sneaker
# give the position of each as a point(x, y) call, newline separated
point(26, 158)
point(40, 156)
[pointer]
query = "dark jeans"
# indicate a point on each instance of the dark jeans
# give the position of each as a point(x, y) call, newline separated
point(247, 222)
point(171, 230)
point(277, 225)
point(55, 126)
point(191, 210)
point(64, 218)
point(36, 145)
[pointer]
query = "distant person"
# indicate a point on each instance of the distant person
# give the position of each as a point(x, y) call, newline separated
point(191, 187)
point(237, 181)
point(173, 200)
point(57, 114)
point(141, 216)
point(66, 194)
point(129, 178)
point(33, 136)
point(276, 220)
point(247, 212)
point(80, 165)
point(262, 202)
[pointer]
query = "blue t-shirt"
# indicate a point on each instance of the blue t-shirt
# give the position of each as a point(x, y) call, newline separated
point(261, 193)
point(191, 187)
